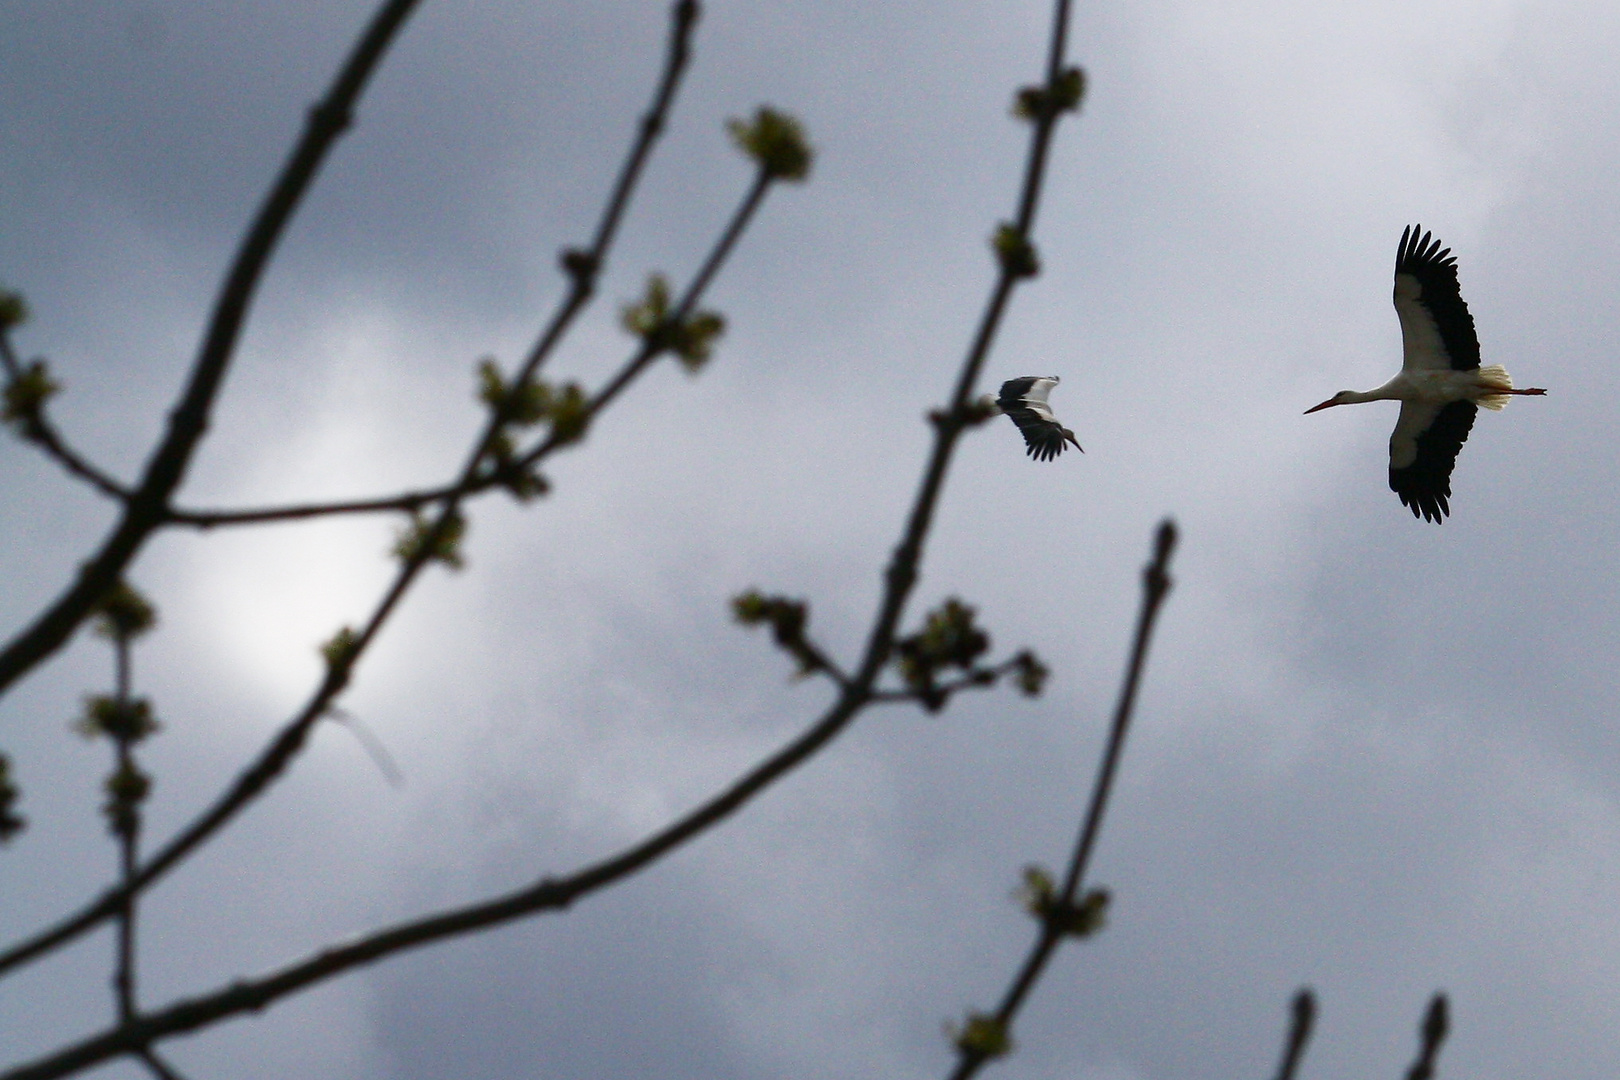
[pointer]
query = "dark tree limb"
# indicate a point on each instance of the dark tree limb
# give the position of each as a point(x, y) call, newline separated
point(972, 1054)
point(138, 1033)
point(37, 428)
point(900, 578)
point(1303, 1017)
point(275, 758)
point(1436, 1023)
point(404, 503)
point(146, 506)
point(157, 1066)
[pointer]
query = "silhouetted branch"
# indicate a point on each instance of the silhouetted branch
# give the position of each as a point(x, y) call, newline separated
point(405, 502)
point(1063, 914)
point(1433, 1032)
point(157, 1066)
point(652, 347)
point(583, 268)
point(146, 506)
point(551, 893)
point(37, 428)
point(1029, 672)
point(426, 547)
point(1303, 1015)
point(789, 622)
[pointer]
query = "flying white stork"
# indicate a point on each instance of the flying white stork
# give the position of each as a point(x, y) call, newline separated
point(1024, 399)
point(1441, 383)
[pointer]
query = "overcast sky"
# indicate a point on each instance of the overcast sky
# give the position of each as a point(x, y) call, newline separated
point(1374, 756)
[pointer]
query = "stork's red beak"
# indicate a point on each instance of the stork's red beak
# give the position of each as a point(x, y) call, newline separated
point(1324, 405)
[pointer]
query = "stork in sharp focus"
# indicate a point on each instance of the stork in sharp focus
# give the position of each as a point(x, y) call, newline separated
point(1024, 400)
point(1441, 384)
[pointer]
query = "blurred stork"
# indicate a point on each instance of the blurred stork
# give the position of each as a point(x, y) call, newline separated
point(1024, 400)
point(1440, 386)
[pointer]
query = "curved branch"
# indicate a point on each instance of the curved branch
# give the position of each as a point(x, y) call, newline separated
point(550, 894)
point(1432, 1033)
point(275, 758)
point(43, 433)
point(145, 508)
point(1303, 1016)
point(40, 430)
point(547, 894)
point(1155, 587)
point(405, 502)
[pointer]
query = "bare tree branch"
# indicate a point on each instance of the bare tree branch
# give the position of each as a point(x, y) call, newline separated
point(290, 740)
point(1303, 1015)
point(1436, 1022)
point(987, 1037)
point(146, 506)
point(137, 1034)
point(405, 502)
point(583, 267)
point(157, 1066)
point(37, 428)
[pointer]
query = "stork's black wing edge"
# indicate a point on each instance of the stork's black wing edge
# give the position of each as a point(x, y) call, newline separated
point(1425, 485)
point(1435, 269)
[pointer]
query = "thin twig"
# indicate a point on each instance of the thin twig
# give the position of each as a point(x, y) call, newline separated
point(1155, 587)
point(405, 502)
point(651, 349)
point(584, 267)
point(980, 678)
point(145, 509)
point(128, 853)
point(158, 1067)
point(290, 740)
point(1303, 1017)
point(548, 894)
point(40, 430)
point(1436, 1022)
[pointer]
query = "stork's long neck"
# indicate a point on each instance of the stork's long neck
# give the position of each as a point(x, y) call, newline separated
point(1390, 391)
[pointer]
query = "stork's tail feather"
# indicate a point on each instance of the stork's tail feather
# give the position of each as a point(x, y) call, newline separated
point(1494, 377)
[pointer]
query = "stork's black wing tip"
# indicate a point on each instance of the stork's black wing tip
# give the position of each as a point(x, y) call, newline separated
point(1430, 506)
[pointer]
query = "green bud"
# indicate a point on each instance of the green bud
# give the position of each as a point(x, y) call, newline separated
point(1035, 102)
point(1014, 251)
point(340, 649)
point(1030, 673)
point(1083, 919)
point(787, 619)
point(13, 309)
point(11, 823)
point(693, 340)
point(418, 542)
point(127, 721)
point(126, 789)
point(25, 396)
point(981, 1036)
point(1037, 891)
point(570, 414)
point(1069, 89)
point(750, 608)
point(775, 141)
point(645, 317)
point(1039, 896)
point(523, 405)
point(579, 264)
point(124, 614)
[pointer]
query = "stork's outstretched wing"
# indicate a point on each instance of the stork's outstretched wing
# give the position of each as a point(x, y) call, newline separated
point(1024, 400)
point(1437, 332)
point(1423, 450)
